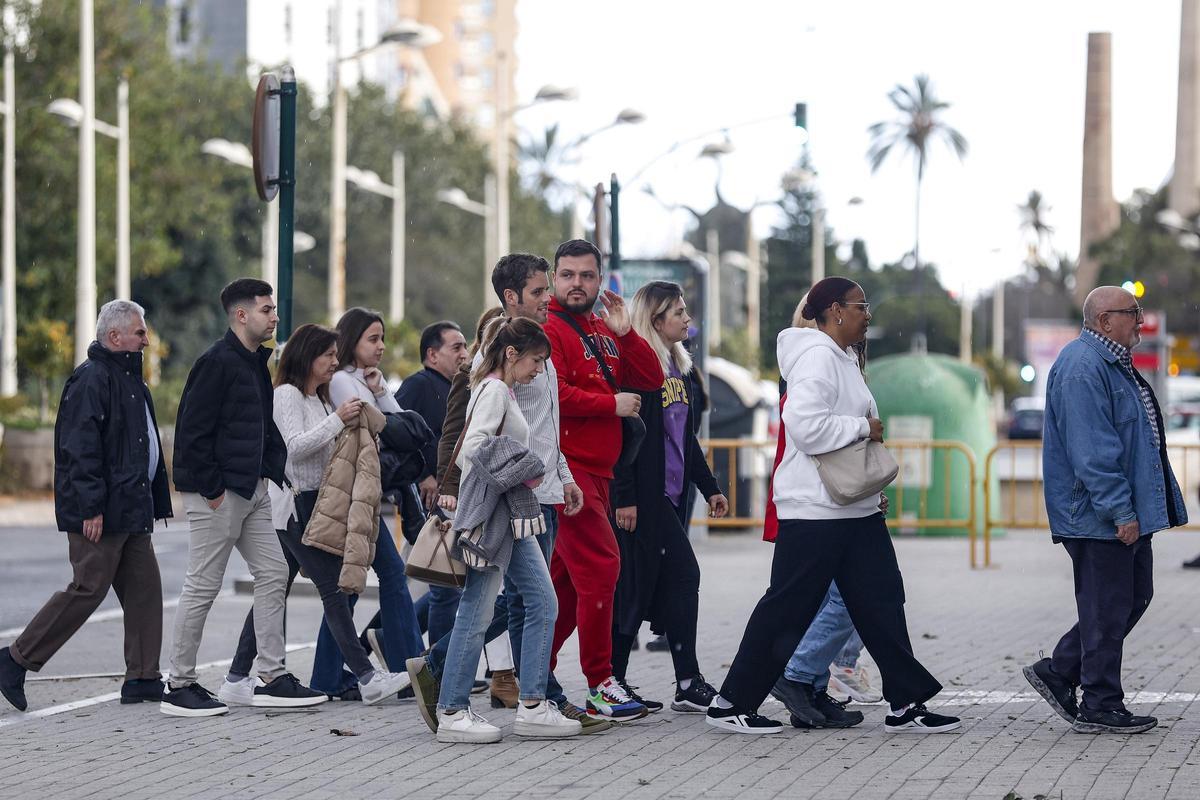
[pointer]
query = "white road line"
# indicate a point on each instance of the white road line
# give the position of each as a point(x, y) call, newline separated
point(107, 616)
point(107, 698)
point(975, 697)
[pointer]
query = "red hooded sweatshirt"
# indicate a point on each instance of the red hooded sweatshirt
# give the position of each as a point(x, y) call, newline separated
point(591, 429)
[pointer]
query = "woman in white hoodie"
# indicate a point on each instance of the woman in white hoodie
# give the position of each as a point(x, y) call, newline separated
point(829, 407)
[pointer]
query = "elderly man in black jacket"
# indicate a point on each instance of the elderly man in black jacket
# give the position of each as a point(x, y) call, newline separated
point(226, 449)
point(110, 485)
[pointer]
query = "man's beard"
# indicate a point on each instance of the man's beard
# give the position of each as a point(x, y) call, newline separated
point(580, 307)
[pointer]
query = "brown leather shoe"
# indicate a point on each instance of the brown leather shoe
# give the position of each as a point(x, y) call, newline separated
point(505, 690)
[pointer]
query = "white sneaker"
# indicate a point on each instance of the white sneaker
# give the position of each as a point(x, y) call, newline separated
point(465, 726)
point(853, 683)
point(382, 686)
point(544, 721)
point(237, 693)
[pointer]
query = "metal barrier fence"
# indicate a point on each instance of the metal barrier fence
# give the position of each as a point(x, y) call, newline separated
point(1019, 502)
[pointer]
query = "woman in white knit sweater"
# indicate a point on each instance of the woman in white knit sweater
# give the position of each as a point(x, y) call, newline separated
point(309, 424)
point(514, 351)
point(360, 349)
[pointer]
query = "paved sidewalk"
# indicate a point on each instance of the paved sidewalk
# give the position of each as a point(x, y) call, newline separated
point(973, 629)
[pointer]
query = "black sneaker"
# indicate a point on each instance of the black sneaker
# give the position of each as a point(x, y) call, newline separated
point(731, 720)
point(425, 688)
point(12, 681)
point(142, 690)
point(479, 687)
point(1193, 564)
point(659, 644)
point(919, 719)
point(834, 711)
point(652, 706)
point(192, 700)
point(286, 692)
point(798, 698)
point(1115, 721)
point(698, 696)
point(351, 694)
point(1057, 692)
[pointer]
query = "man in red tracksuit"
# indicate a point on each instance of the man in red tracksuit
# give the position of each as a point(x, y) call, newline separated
point(586, 560)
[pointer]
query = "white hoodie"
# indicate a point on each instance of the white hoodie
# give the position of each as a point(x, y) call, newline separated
point(827, 407)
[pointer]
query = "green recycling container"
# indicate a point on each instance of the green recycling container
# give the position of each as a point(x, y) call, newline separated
point(926, 397)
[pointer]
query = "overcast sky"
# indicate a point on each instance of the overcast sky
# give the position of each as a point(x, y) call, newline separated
point(1013, 72)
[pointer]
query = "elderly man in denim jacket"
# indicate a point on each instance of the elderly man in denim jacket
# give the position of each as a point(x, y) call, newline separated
point(1109, 487)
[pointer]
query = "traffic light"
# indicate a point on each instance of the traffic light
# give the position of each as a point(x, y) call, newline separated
point(801, 116)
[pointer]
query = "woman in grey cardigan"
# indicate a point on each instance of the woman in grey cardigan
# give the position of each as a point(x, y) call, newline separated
point(496, 439)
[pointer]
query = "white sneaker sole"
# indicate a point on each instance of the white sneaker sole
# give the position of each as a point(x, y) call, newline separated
point(911, 728)
point(172, 710)
point(465, 737)
point(839, 690)
point(235, 698)
point(535, 730)
point(687, 706)
point(270, 701)
point(391, 689)
point(730, 727)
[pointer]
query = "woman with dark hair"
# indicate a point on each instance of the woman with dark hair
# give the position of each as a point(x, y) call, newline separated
point(514, 351)
point(829, 407)
point(660, 577)
point(360, 348)
point(309, 424)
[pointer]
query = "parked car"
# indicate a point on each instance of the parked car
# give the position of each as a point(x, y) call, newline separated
point(1026, 418)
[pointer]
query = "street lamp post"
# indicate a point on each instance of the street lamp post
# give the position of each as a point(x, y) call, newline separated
point(239, 155)
point(8, 337)
point(487, 210)
point(72, 112)
point(85, 272)
point(371, 182)
point(406, 33)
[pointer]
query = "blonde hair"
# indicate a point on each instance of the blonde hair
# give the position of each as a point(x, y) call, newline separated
point(798, 320)
point(650, 303)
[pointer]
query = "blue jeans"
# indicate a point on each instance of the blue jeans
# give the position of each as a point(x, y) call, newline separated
point(528, 571)
point(436, 609)
point(507, 600)
point(399, 622)
point(830, 637)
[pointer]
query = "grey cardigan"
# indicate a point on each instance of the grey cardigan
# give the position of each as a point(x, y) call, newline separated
point(495, 507)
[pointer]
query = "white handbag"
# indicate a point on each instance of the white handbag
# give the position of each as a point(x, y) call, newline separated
point(857, 471)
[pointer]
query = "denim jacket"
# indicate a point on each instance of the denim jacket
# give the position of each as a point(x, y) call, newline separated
point(1100, 465)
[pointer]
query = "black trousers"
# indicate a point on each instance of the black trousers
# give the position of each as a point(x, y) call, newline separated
point(659, 561)
point(809, 554)
point(1114, 583)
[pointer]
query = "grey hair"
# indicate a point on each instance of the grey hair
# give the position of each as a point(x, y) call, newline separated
point(115, 315)
point(1091, 308)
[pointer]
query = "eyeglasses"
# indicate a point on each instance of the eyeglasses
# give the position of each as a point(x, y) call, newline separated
point(1137, 311)
point(866, 307)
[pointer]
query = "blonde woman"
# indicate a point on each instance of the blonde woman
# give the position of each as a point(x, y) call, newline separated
point(660, 577)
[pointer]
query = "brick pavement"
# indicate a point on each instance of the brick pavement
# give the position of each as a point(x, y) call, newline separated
point(973, 629)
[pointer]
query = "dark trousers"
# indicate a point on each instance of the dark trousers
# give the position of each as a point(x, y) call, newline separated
point(809, 554)
point(323, 569)
point(674, 600)
point(1113, 586)
point(124, 561)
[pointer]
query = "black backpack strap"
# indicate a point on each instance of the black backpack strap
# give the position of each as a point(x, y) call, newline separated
point(591, 346)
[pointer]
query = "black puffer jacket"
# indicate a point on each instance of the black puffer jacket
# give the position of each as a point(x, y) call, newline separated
point(102, 448)
point(225, 435)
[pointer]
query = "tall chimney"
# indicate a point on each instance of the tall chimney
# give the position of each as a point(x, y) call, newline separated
point(1100, 214)
point(1184, 195)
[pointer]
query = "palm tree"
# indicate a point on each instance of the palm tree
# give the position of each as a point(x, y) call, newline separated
point(1033, 224)
point(916, 126)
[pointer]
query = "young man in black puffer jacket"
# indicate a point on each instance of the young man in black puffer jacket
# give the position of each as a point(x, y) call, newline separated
point(110, 485)
point(226, 449)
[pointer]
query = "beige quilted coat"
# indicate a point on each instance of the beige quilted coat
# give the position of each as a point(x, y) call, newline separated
point(345, 520)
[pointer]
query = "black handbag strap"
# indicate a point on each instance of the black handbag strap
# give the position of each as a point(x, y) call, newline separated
point(591, 346)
